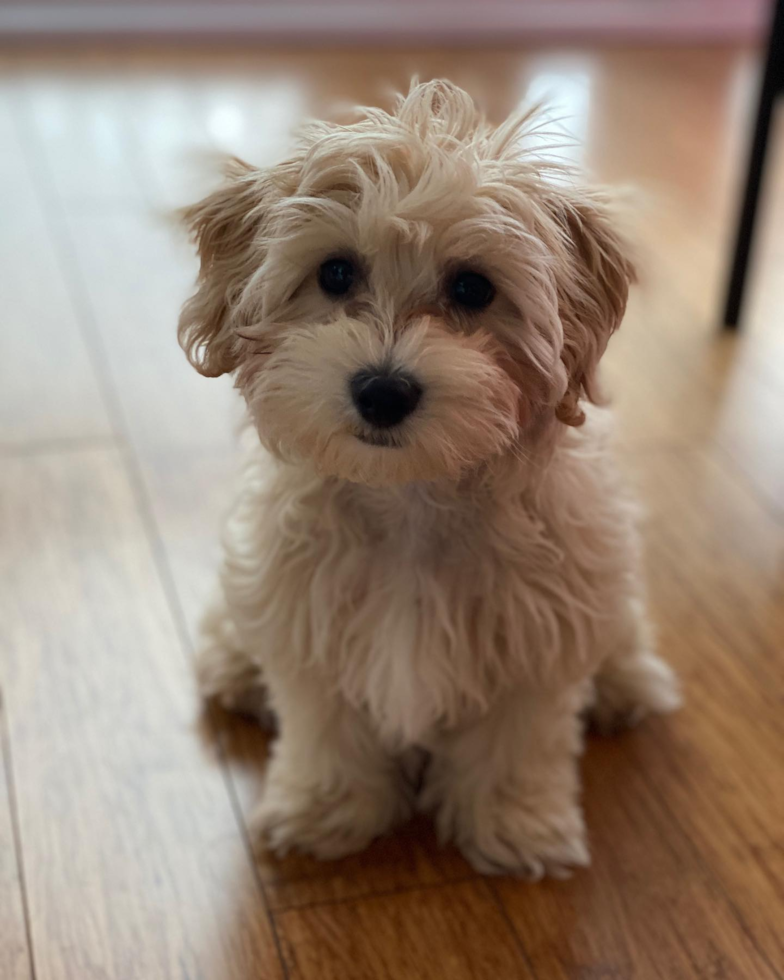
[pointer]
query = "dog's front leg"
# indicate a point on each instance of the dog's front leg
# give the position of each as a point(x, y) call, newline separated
point(505, 789)
point(331, 786)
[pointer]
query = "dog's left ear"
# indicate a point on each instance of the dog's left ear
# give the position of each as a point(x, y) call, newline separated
point(593, 287)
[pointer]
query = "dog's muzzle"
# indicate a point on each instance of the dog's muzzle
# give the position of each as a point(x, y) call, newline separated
point(384, 398)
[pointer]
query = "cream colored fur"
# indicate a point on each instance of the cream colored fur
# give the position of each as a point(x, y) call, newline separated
point(465, 590)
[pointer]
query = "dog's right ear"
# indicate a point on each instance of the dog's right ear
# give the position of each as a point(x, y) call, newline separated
point(225, 227)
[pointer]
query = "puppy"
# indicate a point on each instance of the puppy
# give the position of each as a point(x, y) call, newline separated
point(431, 555)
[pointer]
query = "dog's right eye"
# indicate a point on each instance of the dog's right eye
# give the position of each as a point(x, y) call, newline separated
point(472, 290)
point(336, 276)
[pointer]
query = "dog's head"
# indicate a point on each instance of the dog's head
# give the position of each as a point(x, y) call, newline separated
point(408, 296)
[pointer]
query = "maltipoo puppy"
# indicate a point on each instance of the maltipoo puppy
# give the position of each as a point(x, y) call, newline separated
point(431, 567)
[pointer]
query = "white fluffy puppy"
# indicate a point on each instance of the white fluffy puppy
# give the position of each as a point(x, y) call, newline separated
point(432, 550)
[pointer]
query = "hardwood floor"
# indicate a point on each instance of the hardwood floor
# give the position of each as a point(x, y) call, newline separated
point(123, 848)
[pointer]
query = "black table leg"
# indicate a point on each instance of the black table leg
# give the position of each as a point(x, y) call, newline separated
point(772, 83)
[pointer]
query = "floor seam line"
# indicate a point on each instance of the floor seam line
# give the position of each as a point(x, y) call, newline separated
point(6, 761)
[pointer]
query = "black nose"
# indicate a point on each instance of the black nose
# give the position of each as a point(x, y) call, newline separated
point(384, 398)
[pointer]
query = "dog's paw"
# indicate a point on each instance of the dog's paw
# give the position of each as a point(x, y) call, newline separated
point(513, 829)
point(628, 689)
point(508, 838)
point(327, 823)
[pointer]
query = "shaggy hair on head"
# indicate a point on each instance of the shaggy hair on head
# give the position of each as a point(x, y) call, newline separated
point(431, 556)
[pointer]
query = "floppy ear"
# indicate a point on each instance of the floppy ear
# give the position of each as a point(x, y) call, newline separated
point(224, 227)
point(593, 286)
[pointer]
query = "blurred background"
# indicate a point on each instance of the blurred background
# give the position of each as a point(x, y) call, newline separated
point(123, 844)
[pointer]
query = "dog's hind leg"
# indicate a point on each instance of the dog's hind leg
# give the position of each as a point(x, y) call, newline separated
point(633, 681)
point(226, 671)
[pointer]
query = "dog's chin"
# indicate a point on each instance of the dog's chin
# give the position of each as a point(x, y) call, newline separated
point(384, 458)
point(380, 459)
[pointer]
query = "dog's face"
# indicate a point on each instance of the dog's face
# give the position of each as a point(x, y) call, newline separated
point(408, 296)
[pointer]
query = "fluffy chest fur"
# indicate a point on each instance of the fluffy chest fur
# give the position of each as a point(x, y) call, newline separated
point(422, 604)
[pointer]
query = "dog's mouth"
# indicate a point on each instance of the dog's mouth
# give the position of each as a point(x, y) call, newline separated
point(382, 439)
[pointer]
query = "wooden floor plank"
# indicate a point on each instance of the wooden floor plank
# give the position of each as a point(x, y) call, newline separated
point(50, 393)
point(431, 933)
point(750, 431)
point(134, 864)
point(137, 268)
point(171, 135)
point(715, 559)
point(15, 963)
point(647, 908)
point(82, 121)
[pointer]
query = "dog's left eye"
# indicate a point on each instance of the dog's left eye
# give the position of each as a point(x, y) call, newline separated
point(471, 290)
point(336, 276)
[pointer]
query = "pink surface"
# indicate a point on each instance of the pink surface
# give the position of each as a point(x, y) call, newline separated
point(392, 21)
